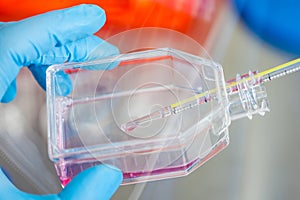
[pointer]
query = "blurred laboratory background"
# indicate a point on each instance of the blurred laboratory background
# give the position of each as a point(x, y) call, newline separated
point(262, 161)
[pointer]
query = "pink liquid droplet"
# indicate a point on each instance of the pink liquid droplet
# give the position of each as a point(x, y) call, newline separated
point(64, 182)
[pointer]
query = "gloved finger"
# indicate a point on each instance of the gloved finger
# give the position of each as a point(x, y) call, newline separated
point(62, 81)
point(99, 182)
point(75, 52)
point(9, 191)
point(102, 51)
point(32, 37)
point(26, 40)
point(63, 84)
point(88, 48)
point(10, 93)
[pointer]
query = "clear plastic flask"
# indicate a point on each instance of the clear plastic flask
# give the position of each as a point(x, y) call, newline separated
point(88, 103)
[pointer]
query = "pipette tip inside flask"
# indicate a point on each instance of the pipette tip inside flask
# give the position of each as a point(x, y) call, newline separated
point(247, 87)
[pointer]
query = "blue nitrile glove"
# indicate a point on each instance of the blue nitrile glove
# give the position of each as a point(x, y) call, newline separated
point(50, 38)
point(37, 42)
point(98, 182)
point(276, 22)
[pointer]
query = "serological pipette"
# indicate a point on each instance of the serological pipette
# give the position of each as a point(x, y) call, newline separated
point(233, 85)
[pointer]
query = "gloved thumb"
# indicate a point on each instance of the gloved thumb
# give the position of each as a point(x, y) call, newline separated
point(99, 182)
point(9, 191)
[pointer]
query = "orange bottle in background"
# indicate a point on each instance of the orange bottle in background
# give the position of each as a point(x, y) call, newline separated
point(191, 17)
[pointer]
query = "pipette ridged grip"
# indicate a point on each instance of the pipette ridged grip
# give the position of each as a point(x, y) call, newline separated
point(247, 97)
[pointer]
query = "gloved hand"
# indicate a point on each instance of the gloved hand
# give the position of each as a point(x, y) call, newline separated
point(37, 42)
point(50, 38)
point(98, 182)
